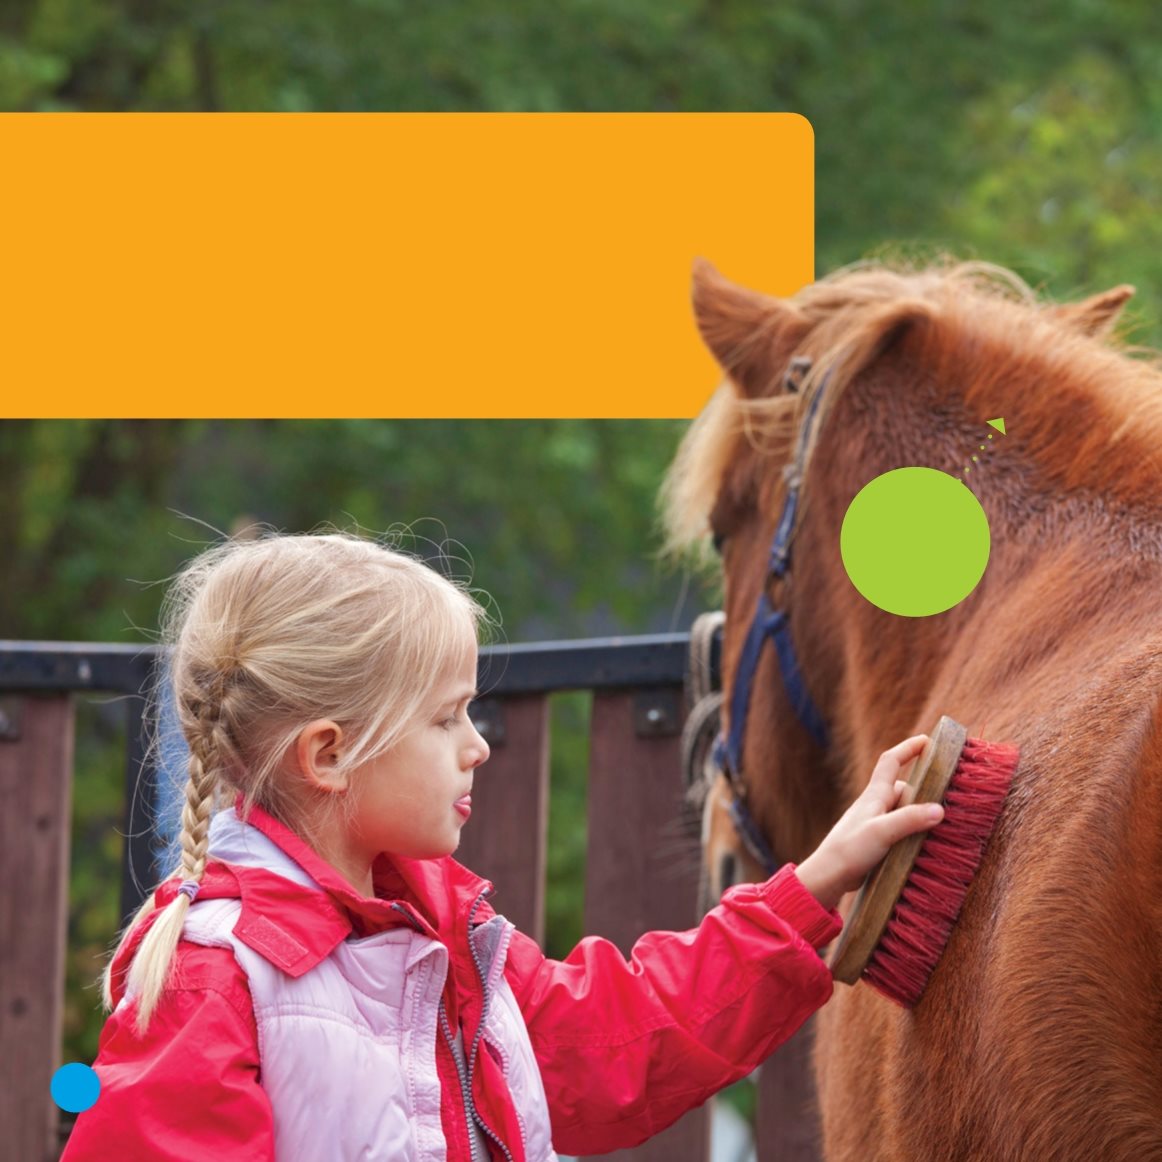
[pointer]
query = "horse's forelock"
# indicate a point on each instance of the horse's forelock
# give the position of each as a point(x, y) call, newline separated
point(978, 324)
point(709, 452)
point(847, 311)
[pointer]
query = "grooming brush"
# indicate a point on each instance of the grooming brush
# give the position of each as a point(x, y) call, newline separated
point(905, 911)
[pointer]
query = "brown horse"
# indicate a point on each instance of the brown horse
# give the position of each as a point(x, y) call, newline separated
point(1040, 1033)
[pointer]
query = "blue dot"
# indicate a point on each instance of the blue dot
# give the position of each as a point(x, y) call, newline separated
point(75, 1087)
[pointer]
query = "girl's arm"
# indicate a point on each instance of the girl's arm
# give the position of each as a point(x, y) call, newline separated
point(625, 1048)
point(188, 1088)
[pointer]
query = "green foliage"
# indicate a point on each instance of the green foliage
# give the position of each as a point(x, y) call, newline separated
point(1032, 143)
point(1074, 182)
point(568, 829)
point(579, 559)
point(26, 73)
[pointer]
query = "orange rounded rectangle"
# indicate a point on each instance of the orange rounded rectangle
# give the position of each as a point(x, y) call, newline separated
point(374, 265)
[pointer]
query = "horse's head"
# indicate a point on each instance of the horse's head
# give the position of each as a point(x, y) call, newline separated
point(789, 365)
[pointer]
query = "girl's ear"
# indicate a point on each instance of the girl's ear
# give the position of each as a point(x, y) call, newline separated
point(751, 335)
point(317, 751)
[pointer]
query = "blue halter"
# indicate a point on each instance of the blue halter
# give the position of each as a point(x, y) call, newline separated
point(769, 622)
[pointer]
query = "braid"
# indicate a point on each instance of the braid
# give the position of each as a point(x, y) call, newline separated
point(211, 749)
point(210, 746)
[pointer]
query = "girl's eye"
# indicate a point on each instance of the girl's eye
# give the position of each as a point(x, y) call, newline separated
point(449, 723)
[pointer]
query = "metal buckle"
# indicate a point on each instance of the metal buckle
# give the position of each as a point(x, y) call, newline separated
point(796, 372)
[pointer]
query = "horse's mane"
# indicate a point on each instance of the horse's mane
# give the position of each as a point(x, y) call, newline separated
point(1090, 415)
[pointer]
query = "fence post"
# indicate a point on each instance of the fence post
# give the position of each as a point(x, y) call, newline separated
point(505, 841)
point(36, 764)
point(642, 869)
point(787, 1122)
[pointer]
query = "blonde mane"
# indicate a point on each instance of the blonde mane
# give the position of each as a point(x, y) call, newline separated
point(1096, 423)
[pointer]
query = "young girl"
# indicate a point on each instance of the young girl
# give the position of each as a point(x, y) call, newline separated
point(321, 981)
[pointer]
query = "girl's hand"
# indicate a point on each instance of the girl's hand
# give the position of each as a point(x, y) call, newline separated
point(869, 827)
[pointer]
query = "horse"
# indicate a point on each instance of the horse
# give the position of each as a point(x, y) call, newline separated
point(1040, 1032)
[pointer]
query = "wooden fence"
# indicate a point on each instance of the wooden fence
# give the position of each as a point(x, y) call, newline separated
point(635, 878)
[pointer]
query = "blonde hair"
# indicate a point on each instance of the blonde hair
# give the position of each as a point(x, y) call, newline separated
point(267, 636)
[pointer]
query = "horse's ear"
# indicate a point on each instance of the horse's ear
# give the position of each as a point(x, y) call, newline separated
point(750, 334)
point(1096, 315)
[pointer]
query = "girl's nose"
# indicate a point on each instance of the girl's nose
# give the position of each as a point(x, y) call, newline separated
point(479, 749)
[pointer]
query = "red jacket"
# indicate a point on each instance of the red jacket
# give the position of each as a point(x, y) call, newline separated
point(624, 1048)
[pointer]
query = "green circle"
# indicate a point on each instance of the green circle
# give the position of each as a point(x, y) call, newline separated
point(915, 541)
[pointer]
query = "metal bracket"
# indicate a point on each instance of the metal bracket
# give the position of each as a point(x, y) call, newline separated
point(488, 717)
point(657, 713)
point(11, 712)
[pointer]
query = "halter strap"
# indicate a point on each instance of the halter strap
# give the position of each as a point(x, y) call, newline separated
point(793, 474)
point(772, 623)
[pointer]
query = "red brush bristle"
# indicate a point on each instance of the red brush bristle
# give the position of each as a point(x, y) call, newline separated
point(930, 903)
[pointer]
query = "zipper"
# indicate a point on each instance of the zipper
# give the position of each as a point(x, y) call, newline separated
point(480, 1026)
point(462, 1073)
point(450, 1040)
point(407, 915)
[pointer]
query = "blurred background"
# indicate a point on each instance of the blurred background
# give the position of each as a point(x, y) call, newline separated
point(1036, 144)
point(1033, 142)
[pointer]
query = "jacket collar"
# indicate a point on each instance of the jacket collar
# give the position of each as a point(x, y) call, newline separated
point(296, 908)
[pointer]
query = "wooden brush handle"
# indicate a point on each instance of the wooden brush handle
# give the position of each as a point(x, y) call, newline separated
point(931, 773)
